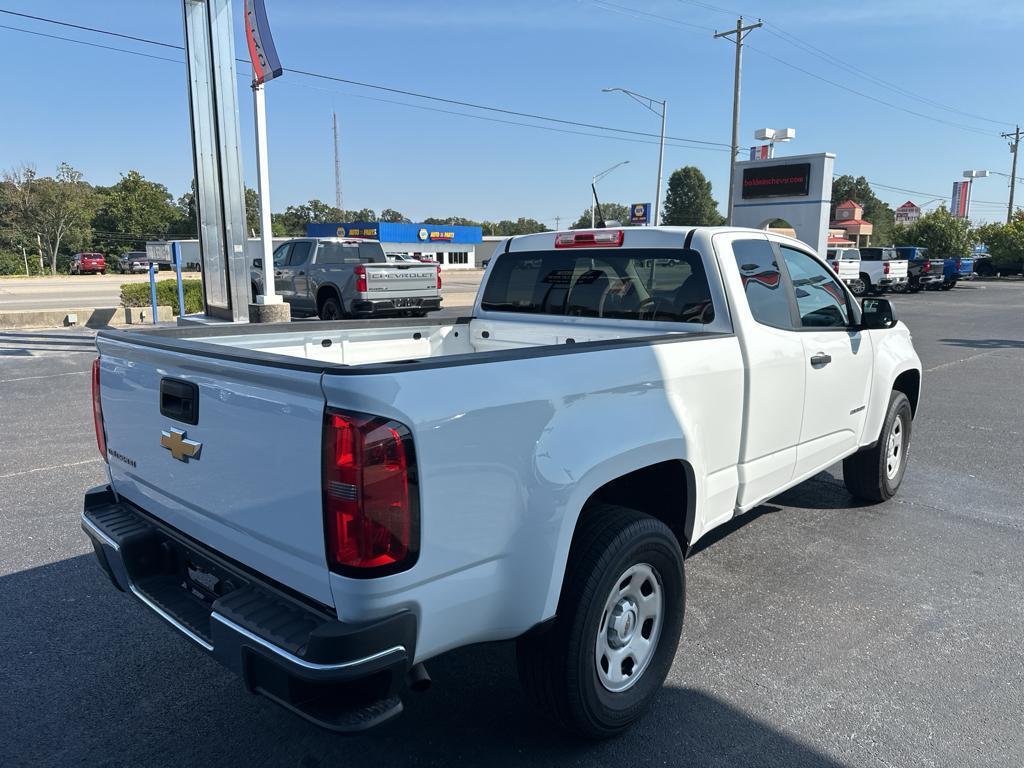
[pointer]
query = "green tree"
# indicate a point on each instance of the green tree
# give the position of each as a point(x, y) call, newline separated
point(611, 212)
point(941, 233)
point(252, 213)
point(521, 226)
point(54, 212)
point(133, 211)
point(877, 212)
point(292, 223)
point(688, 201)
point(389, 214)
point(1005, 243)
point(455, 221)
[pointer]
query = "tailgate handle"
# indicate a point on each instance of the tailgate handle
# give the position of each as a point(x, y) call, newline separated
point(179, 400)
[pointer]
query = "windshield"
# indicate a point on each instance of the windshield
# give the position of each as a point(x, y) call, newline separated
point(626, 284)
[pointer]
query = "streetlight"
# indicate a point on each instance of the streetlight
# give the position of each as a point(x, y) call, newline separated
point(971, 176)
point(593, 189)
point(648, 103)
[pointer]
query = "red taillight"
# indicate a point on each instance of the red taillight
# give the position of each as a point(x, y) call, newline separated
point(360, 279)
point(371, 506)
point(439, 278)
point(97, 410)
point(885, 267)
point(927, 267)
point(609, 238)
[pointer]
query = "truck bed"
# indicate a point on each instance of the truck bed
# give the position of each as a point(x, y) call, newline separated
point(391, 342)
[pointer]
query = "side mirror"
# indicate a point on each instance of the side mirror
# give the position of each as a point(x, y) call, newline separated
point(877, 313)
point(257, 263)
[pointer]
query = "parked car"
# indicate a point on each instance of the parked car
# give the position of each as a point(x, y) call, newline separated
point(133, 262)
point(923, 272)
point(85, 263)
point(333, 278)
point(845, 262)
point(882, 269)
point(327, 507)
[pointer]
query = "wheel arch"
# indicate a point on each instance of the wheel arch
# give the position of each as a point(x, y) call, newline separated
point(666, 490)
point(328, 291)
point(909, 383)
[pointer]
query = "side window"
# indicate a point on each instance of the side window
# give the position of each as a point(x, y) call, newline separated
point(281, 255)
point(300, 253)
point(763, 283)
point(820, 299)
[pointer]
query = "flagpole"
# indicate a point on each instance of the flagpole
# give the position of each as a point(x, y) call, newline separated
point(269, 295)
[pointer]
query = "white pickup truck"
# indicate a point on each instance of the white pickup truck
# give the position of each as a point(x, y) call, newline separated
point(325, 507)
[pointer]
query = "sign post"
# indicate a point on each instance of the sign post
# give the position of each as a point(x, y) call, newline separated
point(216, 157)
point(265, 67)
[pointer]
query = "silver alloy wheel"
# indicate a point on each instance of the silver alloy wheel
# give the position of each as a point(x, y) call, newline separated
point(894, 448)
point(627, 636)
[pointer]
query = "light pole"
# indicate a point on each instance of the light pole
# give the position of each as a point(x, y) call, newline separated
point(648, 103)
point(593, 189)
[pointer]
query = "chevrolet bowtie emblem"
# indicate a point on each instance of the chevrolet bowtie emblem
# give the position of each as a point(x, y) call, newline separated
point(180, 448)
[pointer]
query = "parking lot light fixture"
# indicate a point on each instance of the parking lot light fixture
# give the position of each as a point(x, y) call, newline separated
point(648, 103)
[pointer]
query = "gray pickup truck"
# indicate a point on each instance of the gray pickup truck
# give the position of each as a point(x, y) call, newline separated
point(334, 278)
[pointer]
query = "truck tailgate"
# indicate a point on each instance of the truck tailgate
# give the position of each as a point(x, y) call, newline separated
point(896, 268)
point(392, 280)
point(253, 491)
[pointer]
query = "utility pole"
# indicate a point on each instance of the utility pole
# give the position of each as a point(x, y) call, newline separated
point(558, 223)
point(1014, 144)
point(740, 33)
point(337, 167)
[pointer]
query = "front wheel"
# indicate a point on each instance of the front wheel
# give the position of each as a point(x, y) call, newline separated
point(875, 473)
point(597, 668)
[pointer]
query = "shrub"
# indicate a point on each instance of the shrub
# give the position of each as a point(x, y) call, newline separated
point(13, 265)
point(137, 295)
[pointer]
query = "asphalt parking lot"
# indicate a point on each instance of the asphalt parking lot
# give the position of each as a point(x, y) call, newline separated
point(818, 633)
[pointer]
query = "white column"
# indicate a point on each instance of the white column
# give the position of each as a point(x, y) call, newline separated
point(269, 295)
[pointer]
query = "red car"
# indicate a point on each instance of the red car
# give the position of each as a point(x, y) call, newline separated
point(88, 262)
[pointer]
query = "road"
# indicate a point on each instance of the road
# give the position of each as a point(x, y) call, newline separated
point(80, 291)
point(818, 632)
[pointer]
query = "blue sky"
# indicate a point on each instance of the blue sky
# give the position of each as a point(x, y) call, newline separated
point(107, 112)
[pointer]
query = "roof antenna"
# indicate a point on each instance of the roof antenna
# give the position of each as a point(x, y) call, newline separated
point(597, 204)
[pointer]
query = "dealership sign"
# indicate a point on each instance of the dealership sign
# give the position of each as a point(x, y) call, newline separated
point(961, 201)
point(792, 180)
point(262, 53)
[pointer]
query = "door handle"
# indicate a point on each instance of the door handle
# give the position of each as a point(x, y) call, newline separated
point(821, 359)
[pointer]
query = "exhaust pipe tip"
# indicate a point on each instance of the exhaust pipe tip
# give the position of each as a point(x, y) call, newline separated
point(418, 678)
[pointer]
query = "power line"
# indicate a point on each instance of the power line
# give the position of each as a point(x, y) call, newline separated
point(362, 84)
point(831, 58)
point(644, 15)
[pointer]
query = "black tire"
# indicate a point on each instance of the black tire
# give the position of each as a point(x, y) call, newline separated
point(866, 286)
point(558, 666)
point(330, 309)
point(866, 473)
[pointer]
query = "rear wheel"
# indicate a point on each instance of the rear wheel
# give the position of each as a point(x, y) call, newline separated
point(875, 473)
point(597, 668)
point(865, 285)
point(330, 309)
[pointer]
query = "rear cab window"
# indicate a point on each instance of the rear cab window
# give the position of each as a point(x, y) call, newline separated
point(653, 284)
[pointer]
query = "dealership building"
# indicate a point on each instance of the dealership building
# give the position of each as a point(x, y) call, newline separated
point(454, 247)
